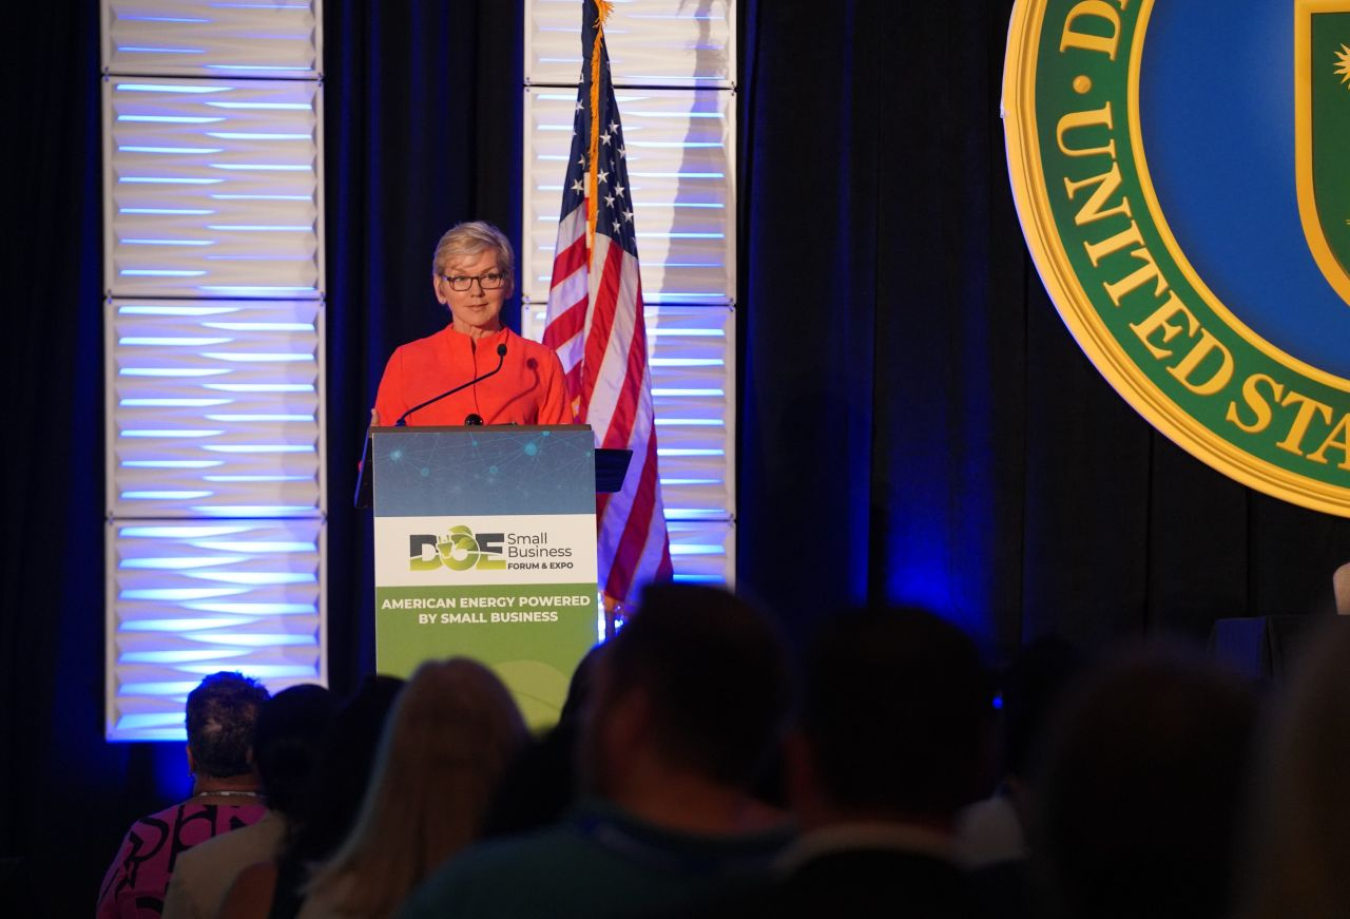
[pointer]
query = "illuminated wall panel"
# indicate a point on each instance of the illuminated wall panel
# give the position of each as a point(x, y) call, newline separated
point(212, 37)
point(214, 188)
point(651, 42)
point(214, 326)
point(214, 408)
point(189, 598)
point(703, 553)
point(680, 157)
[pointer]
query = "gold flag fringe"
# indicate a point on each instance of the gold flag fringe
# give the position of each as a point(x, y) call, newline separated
point(603, 9)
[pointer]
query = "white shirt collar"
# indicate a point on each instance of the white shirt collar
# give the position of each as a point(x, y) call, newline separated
point(867, 835)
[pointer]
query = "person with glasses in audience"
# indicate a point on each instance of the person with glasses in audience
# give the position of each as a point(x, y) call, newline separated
point(472, 275)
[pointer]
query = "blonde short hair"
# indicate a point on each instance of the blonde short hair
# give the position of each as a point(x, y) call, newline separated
point(466, 241)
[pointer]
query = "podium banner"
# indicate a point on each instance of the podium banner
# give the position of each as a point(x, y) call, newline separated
point(485, 548)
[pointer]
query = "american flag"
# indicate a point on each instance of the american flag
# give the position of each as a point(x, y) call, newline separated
point(595, 324)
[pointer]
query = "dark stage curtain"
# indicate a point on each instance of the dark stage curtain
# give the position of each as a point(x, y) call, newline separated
point(917, 423)
point(64, 787)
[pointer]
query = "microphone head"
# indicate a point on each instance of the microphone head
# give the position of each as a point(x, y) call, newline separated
point(473, 419)
point(501, 350)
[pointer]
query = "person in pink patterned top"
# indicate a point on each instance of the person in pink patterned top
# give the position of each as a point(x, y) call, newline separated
point(221, 713)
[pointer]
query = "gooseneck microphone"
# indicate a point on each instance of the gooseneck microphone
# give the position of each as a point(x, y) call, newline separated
point(501, 359)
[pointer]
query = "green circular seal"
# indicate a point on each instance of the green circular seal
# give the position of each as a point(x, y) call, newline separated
point(1240, 371)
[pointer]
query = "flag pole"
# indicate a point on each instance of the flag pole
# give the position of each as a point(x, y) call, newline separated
point(603, 9)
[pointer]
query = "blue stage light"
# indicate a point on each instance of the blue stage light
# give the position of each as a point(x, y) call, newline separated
point(695, 549)
point(255, 609)
point(158, 687)
point(256, 510)
point(195, 624)
point(256, 640)
point(256, 578)
point(162, 341)
point(179, 593)
point(165, 495)
point(175, 88)
point(254, 547)
point(259, 448)
point(171, 372)
point(260, 387)
point(172, 403)
point(262, 671)
point(177, 657)
point(180, 563)
point(171, 464)
point(181, 532)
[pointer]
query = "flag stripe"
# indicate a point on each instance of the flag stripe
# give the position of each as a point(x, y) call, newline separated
point(614, 380)
point(604, 298)
point(637, 383)
point(569, 324)
point(635, 527)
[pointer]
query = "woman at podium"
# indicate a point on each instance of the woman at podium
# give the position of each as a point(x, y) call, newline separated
point(505, 379)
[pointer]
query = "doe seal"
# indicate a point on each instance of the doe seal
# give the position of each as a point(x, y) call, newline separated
point(1182, 173)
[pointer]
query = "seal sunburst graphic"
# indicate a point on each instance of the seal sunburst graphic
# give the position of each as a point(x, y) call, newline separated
point(1343, 63)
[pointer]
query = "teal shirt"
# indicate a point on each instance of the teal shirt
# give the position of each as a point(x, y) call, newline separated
point(598, 863)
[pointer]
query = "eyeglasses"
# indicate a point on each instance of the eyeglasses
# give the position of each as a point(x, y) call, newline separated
point(490, 281)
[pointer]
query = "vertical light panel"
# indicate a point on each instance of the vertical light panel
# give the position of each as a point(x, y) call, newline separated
point(214, 188)
point(651, 43)
point(214, 326)
point(189, 598)
point(674, 67)
point(233, 38)
point(214, 408)
point(680, 154)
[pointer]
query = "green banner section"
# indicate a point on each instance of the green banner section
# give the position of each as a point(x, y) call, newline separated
point(1331, 129)
point(531, 635)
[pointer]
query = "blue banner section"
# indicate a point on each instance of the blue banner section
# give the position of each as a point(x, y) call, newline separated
point(483, 471)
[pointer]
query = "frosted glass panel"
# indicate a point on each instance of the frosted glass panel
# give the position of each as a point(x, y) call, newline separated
point(650, 42)
point(215, 408)
point(703, 553)
point(213, 188)
point(271, 38)
point(681, 163)
point(189, 598)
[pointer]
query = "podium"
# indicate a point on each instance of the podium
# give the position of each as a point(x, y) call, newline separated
point(485, 547)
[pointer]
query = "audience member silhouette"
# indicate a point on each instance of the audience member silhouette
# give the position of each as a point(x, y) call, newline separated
point(286, 746)
point(893, 739)
point(686, 701)
point(451, 735)
point(221, 714)
point(1300, 847)
point(326, 811)
point(1142, 791)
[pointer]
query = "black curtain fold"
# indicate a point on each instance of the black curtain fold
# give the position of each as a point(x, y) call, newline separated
point(914, 420)
point(917, 424)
